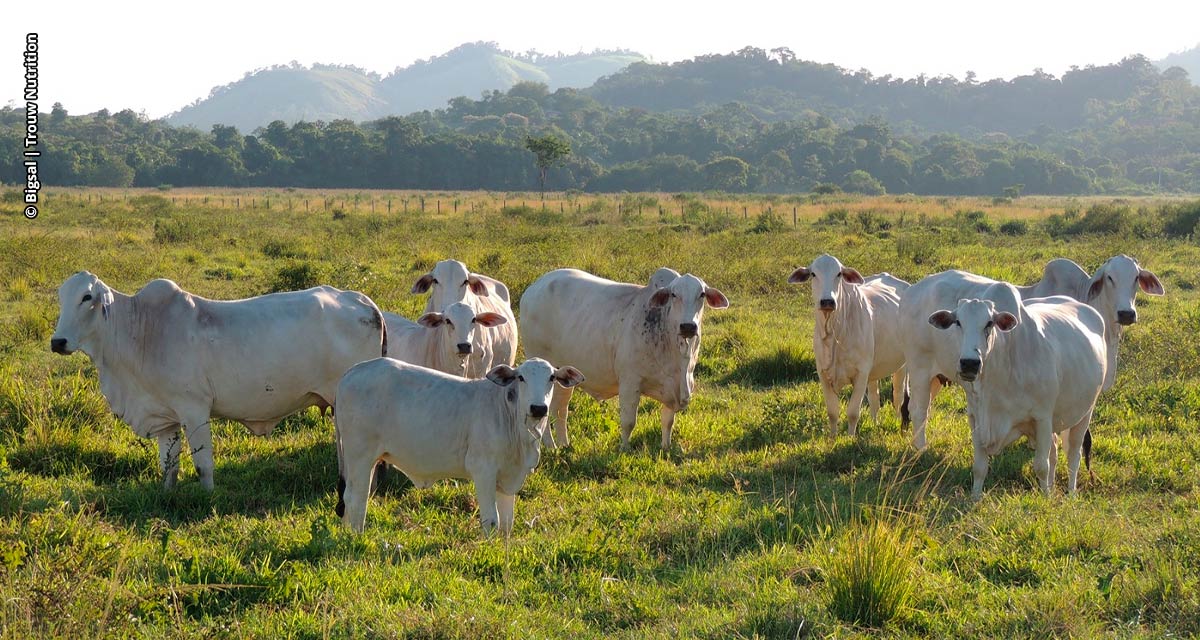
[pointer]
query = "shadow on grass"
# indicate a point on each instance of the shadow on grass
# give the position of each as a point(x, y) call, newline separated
point(783, 367)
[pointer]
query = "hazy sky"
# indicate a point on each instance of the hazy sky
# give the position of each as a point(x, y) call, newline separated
point(154, 57)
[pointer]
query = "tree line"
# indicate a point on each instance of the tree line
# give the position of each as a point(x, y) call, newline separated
point(1143, 136)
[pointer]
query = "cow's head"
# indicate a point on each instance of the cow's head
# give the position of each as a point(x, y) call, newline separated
point(828, 275)
point(83, 302)
point(1114, 286)
point(459, 324)
point(529, 388)
point(975, 322)
point(449, 282)
point(681, 303)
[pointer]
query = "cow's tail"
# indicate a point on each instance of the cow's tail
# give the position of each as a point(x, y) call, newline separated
point(1087, 453)
point(383, 323)
point(340, 509)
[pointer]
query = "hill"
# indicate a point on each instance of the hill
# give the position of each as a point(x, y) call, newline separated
point(290, 93)
point(1188, 60)
point(294, 93)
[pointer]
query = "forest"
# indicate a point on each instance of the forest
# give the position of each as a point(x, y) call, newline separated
point(748, 121)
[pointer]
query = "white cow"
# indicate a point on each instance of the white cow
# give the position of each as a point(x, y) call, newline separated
point(169, 359)
point(855, 336)
point(451, 282)
point(1112, 291)
point(629, 340)
point(441, 341)
point(434, 426)
point(1035, 372)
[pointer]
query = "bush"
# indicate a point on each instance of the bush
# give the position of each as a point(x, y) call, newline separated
point(870, 574)
point(837, 215)
point(826, 189)
point(176, 230)
point(533, 215)
point(919, 248)
point(973, 220)
point(767, 222)
point(297, 276)
point(281, 249)
point(1014, 228)
point(1180, 220)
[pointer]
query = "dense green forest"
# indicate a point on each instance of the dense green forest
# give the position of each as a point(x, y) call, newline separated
point(747, 121)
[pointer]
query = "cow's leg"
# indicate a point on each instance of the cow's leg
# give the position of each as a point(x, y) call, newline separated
point(1044, 428)
point(1074, 447)
point(854, 406)
point(485, 494)
point(920, 397)
point(169, 444)
point(505, 505)
point(899, 382)
point(1053, 459)
point(199, 438)
point(353, 501)
point(630, 395)
point(559, 401)
point(873, 400)
point(979, 470)
point(668, 425)
point(832, 407)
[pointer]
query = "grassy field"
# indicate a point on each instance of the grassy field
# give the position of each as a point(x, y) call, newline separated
point(754, 525)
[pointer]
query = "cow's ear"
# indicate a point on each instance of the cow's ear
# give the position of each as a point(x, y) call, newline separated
point(423, 283)
point(568, 376)
point(715, 298)
point(106, 300)
point(1004, 320)
point(478, 286)
point(1149, 283)
point(800, 275)
point(490, 319)
point(660, 297)
point(942, 319)
point(431, 319)
point(851, 275)
point(502, 375)
point(1096, 286)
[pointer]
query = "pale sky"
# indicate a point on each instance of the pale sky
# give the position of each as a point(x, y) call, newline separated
point(158, 56)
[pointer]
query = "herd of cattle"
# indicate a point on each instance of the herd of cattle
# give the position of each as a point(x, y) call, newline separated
point(440, 398)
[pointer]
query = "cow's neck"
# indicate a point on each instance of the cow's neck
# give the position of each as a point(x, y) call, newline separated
point(830, 330)
point(676, 355)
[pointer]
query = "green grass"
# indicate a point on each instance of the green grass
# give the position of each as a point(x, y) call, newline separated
point(754, 525)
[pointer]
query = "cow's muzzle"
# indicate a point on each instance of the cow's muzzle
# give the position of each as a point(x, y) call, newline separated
point(687, 329)
point(826, 304)
point(968, 368)
point(59, 345)
point(464, 348)
point(538, 411)
point(1126, 317)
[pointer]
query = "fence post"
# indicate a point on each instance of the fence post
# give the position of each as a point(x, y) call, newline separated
point(793, 216)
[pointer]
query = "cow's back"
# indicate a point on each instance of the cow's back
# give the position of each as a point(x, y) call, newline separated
point(572, 316)
point(884, 301)
point(1074, 333)
point(923, 346)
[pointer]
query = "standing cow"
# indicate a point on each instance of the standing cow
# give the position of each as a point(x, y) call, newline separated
point(448, 282)
point(1033, 372)
point(629, 340)
point(442, 341)
point(168, 359)
point(434, 426)
point(855, 336)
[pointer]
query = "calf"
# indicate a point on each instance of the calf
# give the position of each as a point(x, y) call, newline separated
point(855, 339)
point(448, 282)
point(441, 341)
point(434, 426)
point(1033, 372)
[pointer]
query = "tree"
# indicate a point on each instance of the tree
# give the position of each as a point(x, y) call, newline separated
point(860, 181)
point(551, 151)
point(727, 173)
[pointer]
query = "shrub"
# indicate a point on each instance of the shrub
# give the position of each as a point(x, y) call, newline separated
point(1014, 227)
point(767, 222)
point(837, 215)
point(1180, 220)
point(534, 215)
point(297, 276)
point(973, 220)
point(176, 230)
point(826, 189)
point(870, 574)
point(281, 249)
point(919, 248)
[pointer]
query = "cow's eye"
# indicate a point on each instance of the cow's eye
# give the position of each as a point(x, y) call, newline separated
point(957, 323)
point(988, 326)
point(520, 378)
point(466, 282)
point(1111, 281)
point(87, 297)
point(435, 281)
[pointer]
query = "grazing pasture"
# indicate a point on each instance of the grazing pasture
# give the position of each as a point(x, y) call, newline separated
point(753, 524)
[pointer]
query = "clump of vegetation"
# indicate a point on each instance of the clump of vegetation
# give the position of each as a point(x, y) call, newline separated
point(534, 215)
point(826, 189)
point(870, 573)
point(282, 249)
point(835, 216)
point(176, 230)
point(297, 276)
point(768, 222)
point(1014, 227)
point(1180, 220)
point(974, 221)
point(920, 249)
